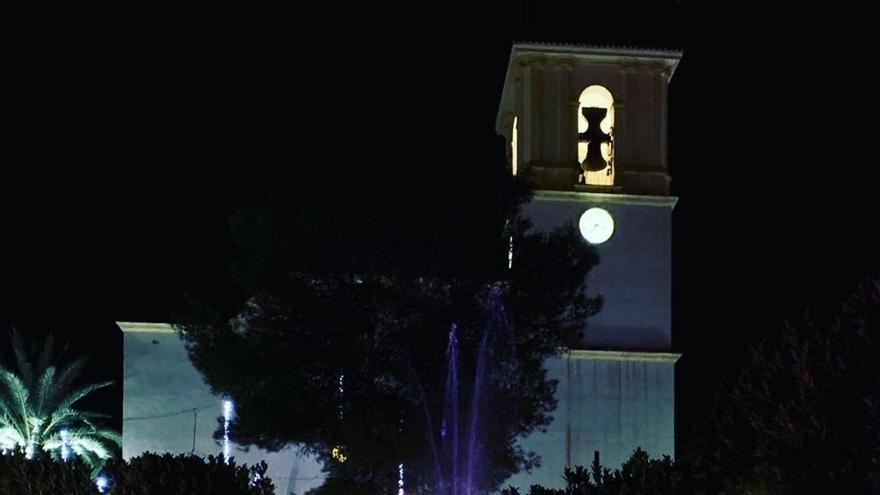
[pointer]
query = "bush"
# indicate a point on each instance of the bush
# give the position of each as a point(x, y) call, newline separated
point(185, 475)
point(640, 475)
point(148, 474)
point(43, 476)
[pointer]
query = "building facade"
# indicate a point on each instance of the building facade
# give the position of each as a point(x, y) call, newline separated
point(589, 127)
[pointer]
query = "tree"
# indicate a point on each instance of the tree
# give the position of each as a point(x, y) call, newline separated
point(640, 475)
point(804, 415)
point(340, 340)
point(37, 407)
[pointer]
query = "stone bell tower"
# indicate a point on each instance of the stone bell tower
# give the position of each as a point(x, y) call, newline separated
point(588, 125)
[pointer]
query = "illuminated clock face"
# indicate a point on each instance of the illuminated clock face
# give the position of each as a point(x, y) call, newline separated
point(596, 225)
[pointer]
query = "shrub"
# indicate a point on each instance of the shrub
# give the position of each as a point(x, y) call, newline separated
point(148, 474)
point(640, 475)
point(185, 475)
point(43, 476)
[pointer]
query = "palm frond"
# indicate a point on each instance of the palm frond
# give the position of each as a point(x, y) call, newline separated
point(53, 443)
point(63, 416)
point(19, 349)
point(18, 394)
point(10, 437)
point(110, 435)
point(100, 434)
point(94, 415)
point(69, 372)
point(46, 390)
point(81, 392)
point(91, 445)
point(45, 358)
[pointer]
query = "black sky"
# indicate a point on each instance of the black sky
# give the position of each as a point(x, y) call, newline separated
point(131, 136)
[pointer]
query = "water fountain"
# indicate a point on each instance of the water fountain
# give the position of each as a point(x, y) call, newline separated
point(456, 458)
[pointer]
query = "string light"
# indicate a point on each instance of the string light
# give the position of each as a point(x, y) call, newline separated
point(338, 454)
point(227, 416)
point(341, 394)
point(400, 479)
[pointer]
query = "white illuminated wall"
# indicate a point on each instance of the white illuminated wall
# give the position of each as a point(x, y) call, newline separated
point(618, 392)
point(167, 407)
point(608, 402)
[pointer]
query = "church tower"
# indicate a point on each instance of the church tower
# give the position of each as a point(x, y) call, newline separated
point(589, 126)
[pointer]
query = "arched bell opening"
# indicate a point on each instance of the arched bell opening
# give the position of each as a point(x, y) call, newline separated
point(596, 137)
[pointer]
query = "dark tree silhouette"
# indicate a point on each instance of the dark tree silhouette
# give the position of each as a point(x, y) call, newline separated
point(804, 415)
point(369, 294)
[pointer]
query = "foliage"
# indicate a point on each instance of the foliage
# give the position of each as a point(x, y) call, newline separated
point(37, 407)
point(147, 474)
point(804, 415)
point(43, 475)
point(373, 302)
point(184, 475)
point(640, 475)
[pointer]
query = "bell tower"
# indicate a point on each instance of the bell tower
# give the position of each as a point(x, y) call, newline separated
point(588, 125)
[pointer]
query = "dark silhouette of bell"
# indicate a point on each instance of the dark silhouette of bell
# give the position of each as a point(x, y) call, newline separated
point(594, 136)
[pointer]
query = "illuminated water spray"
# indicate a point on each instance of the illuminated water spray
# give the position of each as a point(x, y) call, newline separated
point(458, 454)
point(227, 417)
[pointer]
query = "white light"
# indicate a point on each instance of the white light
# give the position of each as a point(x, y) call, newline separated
point(341, 389)
point(596, 225)
point(65, 445)
point(102, 484)
point(510, 254)
point(400, 479)
point(227, 416)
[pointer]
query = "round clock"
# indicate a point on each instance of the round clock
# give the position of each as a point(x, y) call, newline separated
point(596, 225)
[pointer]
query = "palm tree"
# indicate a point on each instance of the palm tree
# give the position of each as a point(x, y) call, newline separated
point(37, 408)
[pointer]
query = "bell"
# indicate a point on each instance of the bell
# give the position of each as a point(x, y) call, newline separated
point(594, 137)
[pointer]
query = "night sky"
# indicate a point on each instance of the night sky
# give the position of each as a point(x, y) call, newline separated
point(132, 135)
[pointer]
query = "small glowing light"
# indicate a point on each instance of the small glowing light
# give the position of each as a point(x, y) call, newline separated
point(400, 479)
point(338, 455)
point(102, 484)
point(596, 225)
